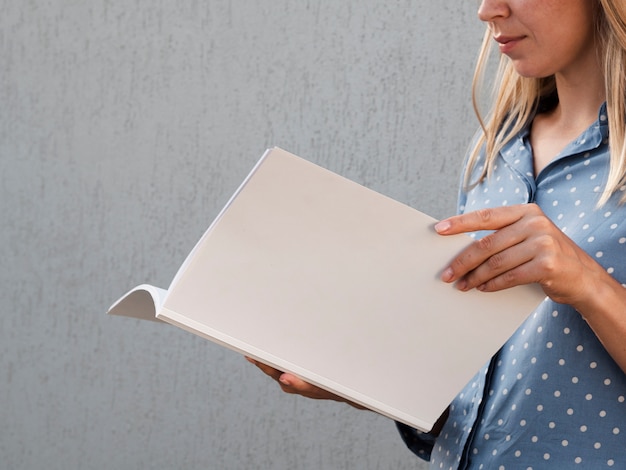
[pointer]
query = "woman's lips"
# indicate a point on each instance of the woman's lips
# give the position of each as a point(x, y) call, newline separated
point(507, 43)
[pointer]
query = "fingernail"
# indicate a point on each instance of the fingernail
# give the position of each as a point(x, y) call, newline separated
point(447, 275)
point(284, 380)
point(461, 285)
point(442, 226)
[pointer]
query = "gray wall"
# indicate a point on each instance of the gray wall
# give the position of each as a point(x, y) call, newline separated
point(125, 126)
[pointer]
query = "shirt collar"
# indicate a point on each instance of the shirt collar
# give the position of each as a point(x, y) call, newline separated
point(590, 139)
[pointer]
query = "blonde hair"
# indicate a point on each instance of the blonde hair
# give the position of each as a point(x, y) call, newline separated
point(515, 99)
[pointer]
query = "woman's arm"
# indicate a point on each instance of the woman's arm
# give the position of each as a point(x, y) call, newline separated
point(527, 247)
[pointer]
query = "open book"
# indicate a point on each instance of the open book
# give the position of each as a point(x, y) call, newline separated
point(319, 276)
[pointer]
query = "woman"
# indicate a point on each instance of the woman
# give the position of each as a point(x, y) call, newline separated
point(545, 199)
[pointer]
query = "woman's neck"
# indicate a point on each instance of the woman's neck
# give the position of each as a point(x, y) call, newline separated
point(580, 95)
point(579, 101)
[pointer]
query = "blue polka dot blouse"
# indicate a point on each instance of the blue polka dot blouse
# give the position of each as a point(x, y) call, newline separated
point(551, 397)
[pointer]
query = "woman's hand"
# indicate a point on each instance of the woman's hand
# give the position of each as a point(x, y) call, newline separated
point(294, 385)
point(526, 247)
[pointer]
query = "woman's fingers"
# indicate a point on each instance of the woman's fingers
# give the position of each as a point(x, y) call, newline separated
point(525, 247)
point(485, 219)
point(292, 384)
point(501, 270)
point(488, 257)
point(268, 370)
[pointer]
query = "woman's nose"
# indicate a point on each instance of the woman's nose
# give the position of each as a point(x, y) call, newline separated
point(492, 9)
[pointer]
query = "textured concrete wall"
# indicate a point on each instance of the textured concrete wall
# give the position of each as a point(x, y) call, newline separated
point(125, 126)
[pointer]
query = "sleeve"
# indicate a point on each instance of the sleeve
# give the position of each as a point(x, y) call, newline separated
point(420, 443)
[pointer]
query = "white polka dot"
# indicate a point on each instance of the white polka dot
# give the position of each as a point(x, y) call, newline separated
point(574, 380)
point(616, 431)
point(564, 443)
point(589, 397)
point(583, 428)
point(597, 445)
point(610, 462)
point(578, 460)
point(602, 414)
point(607, 382)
